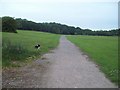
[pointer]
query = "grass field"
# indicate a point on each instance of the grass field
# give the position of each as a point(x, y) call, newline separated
point(103, 50)
point(19, 47)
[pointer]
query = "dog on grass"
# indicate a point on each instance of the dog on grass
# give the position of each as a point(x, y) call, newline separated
point(37, 46)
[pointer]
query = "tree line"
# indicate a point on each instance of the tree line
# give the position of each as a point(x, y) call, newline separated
point(57, 28)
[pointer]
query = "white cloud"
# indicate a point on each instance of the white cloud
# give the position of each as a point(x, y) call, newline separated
point(83, 13)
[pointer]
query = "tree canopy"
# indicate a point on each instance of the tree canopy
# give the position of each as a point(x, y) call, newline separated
point(9, 24)
point(58, 28)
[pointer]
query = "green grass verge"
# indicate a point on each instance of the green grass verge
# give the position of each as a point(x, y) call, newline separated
point(103, 50)
point(20, 46)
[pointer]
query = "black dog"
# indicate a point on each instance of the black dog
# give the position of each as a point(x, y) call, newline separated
point(37, 46)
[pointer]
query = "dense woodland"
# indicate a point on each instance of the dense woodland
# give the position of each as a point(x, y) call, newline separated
point(57, 28)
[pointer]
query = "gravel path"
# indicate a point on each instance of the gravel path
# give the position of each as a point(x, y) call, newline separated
point(64, 67)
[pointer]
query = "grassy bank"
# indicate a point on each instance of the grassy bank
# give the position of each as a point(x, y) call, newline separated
point(103, 50)
point(20, 46)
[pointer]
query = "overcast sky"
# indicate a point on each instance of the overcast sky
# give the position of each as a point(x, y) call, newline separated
point(92, 14)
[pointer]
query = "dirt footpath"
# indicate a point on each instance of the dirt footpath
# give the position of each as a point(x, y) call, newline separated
point(64, 67)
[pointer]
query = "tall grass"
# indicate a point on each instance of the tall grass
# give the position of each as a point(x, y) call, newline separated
point(103, 50)
point(20, 46)
point(13, 52)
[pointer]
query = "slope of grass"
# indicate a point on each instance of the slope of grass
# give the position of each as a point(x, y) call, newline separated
point(103, 50)
point(20, 46)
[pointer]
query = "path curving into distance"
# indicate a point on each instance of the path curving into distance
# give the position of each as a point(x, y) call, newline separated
point(64, 67)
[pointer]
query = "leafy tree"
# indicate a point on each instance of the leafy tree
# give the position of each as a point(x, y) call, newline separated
point(57, 28)
point(9, 24)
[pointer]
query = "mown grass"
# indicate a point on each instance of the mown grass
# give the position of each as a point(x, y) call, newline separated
point(103, 50)
point(20, 46)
